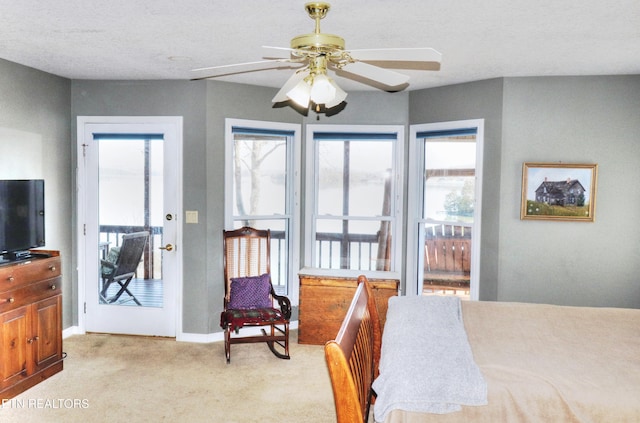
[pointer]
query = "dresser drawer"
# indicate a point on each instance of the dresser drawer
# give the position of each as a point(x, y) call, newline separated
point(23, 273)
point(30, 293)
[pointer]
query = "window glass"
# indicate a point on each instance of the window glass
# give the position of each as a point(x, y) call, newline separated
point(449, 187)
point(352, 177)
point(448, 201)
point(259, 174)
point(260, 188)
point(354, 201)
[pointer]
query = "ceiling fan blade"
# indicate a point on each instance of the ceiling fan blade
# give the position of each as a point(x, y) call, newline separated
point(269, 52)
point(375, 73)
point(425, 54)
point(288, 86)
point(402, 58)
point(216, 71)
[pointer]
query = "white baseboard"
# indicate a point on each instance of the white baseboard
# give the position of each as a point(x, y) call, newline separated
point(200, 338)
point(70, 331)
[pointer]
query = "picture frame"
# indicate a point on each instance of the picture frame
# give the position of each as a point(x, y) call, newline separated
point(559, 191)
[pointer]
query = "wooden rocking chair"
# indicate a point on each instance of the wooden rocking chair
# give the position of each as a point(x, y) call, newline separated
point(249, 295)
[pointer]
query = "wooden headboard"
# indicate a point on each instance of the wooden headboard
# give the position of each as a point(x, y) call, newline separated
point(353, 357)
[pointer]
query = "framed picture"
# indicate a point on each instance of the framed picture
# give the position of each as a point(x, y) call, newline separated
point(559, 191)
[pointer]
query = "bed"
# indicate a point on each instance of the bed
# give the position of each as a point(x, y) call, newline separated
point(539, 363)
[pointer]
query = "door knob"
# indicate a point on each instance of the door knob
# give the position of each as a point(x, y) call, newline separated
point(168, 247)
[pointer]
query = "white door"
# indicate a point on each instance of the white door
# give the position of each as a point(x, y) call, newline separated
point(129, 180)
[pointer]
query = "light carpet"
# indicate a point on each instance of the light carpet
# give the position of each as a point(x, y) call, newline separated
point(111, 378)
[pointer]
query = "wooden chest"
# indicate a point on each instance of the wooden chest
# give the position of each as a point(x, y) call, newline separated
point(324, 301)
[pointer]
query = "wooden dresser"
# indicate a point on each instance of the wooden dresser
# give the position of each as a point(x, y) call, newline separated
point(324, 301)
point(30, 322)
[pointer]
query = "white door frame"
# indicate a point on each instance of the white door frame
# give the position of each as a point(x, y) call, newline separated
point(175, 125)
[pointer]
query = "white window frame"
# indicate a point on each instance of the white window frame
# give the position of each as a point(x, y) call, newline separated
point(311, 187)
point(293, 181)
point(415, 201)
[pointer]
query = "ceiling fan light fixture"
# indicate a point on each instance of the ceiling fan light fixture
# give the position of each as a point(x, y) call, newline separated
point(301, 93)
point(323, 89)
point(338, 98)
point(318, 89)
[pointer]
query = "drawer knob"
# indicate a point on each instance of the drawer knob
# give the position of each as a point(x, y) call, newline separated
point(53, 287)
point(31, 340)
point(52, 268)
point(11, 300)
point(11, 278)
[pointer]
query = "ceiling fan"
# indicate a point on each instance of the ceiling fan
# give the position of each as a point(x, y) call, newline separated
point(317, 53)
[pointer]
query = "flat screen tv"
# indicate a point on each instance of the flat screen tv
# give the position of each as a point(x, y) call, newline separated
point(21, 217)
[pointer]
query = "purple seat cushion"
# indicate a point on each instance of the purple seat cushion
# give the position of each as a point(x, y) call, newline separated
point(250, 292)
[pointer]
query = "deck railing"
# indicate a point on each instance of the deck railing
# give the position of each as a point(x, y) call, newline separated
point(447, 255)
point(351, 251)
point(447, 248)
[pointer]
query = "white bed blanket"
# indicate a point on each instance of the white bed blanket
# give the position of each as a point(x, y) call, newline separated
point(426, 362)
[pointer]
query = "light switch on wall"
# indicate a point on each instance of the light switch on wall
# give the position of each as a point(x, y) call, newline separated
point(191, 216)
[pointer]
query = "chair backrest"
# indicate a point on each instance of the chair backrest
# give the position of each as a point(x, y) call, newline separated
point(247, 252)
point(130, 252)
point(353, 357)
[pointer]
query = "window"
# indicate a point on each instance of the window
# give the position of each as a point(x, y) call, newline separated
point(260, 187)
point(352, 201)
point(444, 207)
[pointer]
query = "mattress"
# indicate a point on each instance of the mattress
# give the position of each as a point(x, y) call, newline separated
point(549, 363)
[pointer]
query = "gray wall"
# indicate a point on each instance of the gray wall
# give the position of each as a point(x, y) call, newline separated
point(582, 119)
point(35, 134)
point(553, 119)
point(572, 120)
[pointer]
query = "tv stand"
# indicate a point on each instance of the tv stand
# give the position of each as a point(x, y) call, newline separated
point(30, 322)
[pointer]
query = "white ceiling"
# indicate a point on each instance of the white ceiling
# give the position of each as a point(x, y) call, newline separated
point(165, 39)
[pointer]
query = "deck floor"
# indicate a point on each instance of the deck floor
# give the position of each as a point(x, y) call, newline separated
point(148, 291)
point(463, 293)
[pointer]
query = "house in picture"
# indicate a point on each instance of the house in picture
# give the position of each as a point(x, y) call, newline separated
point(561, 193)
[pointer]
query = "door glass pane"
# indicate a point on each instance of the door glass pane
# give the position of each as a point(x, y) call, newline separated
point(448, 210)
point(130, 201)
